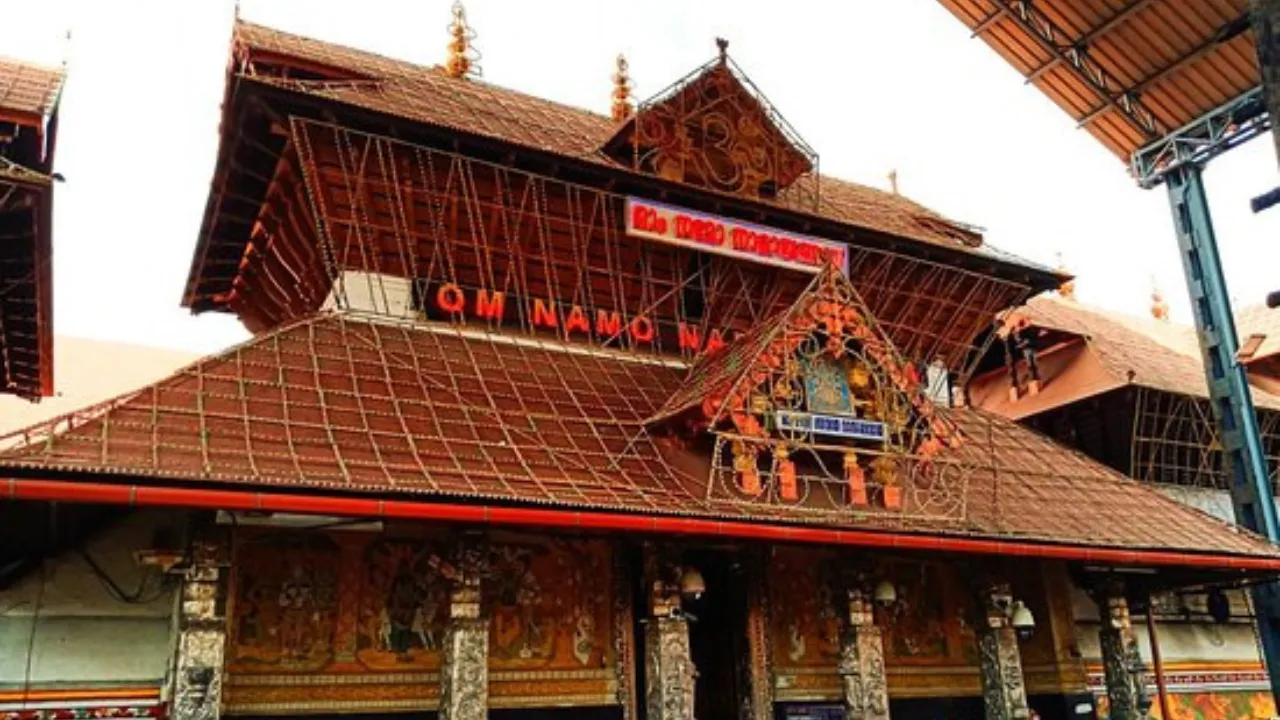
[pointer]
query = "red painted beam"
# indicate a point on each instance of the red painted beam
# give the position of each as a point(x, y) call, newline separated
point(146, 496)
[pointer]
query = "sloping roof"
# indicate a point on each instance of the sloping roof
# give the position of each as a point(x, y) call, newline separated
point(90, 372)
point(1259, 320)
point(342, 403)
point(427, 95)
point(1129, 71)
point(1144, 352)
point(28, 89)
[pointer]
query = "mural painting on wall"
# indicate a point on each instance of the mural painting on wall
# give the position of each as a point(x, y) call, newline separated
point(1209, 706)
point(286, 603)
point(368, 612)
point(919, 630)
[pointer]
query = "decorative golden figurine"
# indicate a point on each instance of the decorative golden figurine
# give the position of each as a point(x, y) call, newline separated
point(856, 478)
point(462, 60)
point(622, 107)
point(884, 471)
point(744, 464)
point(788, 489)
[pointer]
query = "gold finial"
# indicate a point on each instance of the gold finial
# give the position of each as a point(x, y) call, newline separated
point(622, 106)
point(463, 58)
point(1159, 308)
point(893, 181)
point(723, 45)
point(1068, 287)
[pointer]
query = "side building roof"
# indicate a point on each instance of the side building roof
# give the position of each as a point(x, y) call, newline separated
point(29, 97)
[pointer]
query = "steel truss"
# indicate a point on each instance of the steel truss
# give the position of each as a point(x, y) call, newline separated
point(1210, 135)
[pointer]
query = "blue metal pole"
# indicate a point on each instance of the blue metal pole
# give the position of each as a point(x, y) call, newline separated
point(1229, 393)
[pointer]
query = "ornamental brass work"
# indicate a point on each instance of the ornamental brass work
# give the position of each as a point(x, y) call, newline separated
point(817, 410)
point(379, 607)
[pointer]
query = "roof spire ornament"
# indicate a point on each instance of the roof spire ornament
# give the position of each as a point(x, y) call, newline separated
point(1159, 308)
point(463, 58)
point(723, 45)
point(893, 181)
point(622, 106)
point(1068, 287)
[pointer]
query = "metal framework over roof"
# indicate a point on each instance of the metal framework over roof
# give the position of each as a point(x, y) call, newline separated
point(1142, 76)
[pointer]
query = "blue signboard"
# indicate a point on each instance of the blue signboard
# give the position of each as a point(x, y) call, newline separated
point(833, 425)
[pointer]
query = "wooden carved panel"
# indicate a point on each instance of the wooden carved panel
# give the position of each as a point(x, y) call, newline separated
point(327, 622)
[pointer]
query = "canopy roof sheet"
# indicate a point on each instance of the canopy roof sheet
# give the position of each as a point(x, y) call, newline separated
point(1129, 71)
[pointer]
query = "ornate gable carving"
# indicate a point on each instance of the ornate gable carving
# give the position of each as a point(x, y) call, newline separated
point(817, 409)
point(713, 128)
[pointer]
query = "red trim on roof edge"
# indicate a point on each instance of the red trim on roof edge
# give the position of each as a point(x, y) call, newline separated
point(136, 495)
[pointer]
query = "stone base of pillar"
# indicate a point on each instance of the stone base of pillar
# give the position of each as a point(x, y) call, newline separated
point(464, 679)
point(1004, 690)
point(1121, 662)
point(862, 670)
point(202, 635)
point(669, 672)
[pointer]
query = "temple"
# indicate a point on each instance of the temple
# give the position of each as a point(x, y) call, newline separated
point(1130, 393)
point(557, 414)
point(28, 130)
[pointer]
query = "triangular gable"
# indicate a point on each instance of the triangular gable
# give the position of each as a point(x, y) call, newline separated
point(819, 399)
point(713, 128)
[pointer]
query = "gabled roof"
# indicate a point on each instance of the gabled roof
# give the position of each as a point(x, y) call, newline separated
point(342, 404)
point(1134, 351)
point(426, 95)
point(28, 91)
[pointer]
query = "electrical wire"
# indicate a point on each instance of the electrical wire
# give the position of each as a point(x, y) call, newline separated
point(31, 637)
point(137, 597)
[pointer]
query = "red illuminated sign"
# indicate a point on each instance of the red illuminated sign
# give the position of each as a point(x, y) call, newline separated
point(726, 236)
point(570, 321)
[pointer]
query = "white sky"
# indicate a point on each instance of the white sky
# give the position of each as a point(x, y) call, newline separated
point(872, 86)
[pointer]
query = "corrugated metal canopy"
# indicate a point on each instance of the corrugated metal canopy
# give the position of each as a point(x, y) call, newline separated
point(1129, 71)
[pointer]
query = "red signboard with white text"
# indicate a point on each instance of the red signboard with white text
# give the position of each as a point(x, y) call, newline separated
point(726, 236)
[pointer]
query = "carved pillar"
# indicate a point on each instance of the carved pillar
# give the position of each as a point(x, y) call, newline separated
point(202, 633)
point(1121, 662)
point(862, 670)
point(1003, 691)
point(760, 665)
point(668, 666)
point(464, 670)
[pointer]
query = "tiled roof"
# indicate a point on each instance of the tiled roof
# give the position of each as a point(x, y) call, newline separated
point(343, 403)
point(1260, 320)
point(427, 95)
point(28, 89)
point(1145, 352)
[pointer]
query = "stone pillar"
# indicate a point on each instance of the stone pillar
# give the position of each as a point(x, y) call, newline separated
point(464, 669)
point(759, 646)
point(202, 634)
point(668, 666)
point(1121, 662)
point(862, 670)
point(1003, 691)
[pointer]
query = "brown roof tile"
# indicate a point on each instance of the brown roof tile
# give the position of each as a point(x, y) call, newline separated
point(343, 403)
point(427, 95)
point(28, 89)
point(1145, 352)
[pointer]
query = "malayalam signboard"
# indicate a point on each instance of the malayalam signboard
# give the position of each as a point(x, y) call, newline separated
point(727, 236)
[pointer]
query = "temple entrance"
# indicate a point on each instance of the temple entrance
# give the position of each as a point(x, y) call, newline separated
point(718, 638)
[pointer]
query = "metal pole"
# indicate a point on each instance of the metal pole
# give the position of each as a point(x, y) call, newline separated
point(1229, 393)
point(1157, 665)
